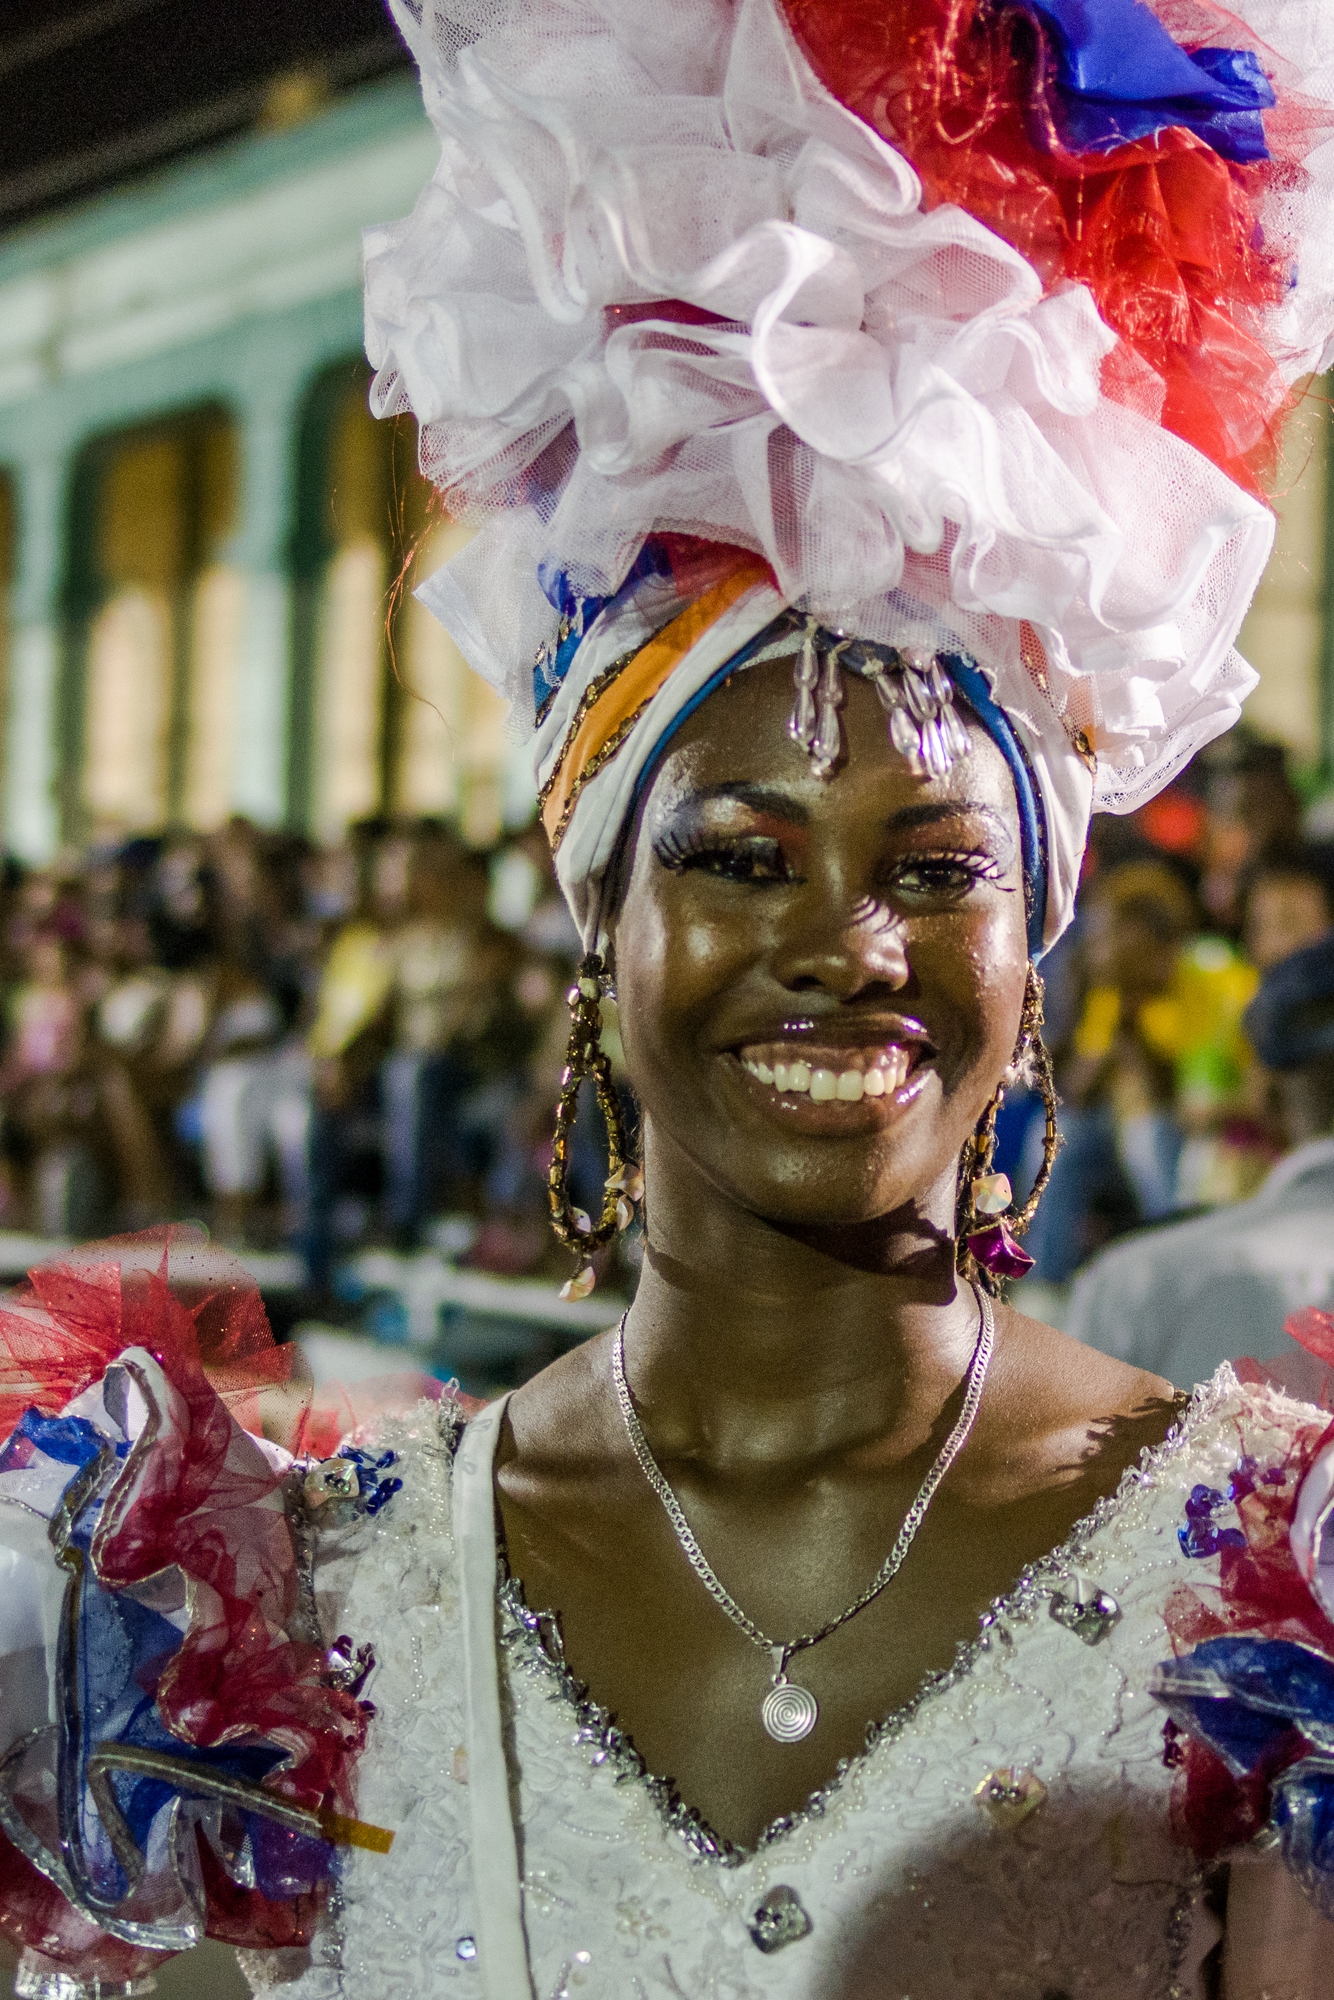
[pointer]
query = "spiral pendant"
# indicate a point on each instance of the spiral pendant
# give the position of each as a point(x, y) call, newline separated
point(789, 1712)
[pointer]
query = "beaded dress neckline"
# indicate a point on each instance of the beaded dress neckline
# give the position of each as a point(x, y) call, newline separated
point(534, 1638)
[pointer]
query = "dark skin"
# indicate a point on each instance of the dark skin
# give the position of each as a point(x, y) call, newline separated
point(799, 1341)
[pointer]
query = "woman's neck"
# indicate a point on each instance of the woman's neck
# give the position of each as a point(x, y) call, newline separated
point(752, 1342)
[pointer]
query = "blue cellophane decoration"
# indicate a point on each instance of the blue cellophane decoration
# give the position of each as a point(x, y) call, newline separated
point(1241, 1695)
point(121, 1650)
point(1120, 77)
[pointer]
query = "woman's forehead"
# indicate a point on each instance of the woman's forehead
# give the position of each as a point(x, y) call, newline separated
point(738, 741)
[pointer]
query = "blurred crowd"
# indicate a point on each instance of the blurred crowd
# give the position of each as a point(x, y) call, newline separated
point(326, 1046)
point(1185, 909)
point(310, 1046)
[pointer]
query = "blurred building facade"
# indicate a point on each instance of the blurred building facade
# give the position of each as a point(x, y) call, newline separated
point(206, 542)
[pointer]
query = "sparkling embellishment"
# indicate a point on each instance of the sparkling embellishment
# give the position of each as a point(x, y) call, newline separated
point(789, 1712)
point(992, 1194)
point(805, 675)
point(335, 1479)
point(1008, 1795)
point(349, 1667)
point(466, 1948)
point(779, 1919)
point(825, 750)
point(915, 692)
point(1090, 1614)
point(580, 1285)
point(1200, 1537)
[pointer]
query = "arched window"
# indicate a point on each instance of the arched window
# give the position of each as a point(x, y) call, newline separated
point(387, 718)
point(155, 613)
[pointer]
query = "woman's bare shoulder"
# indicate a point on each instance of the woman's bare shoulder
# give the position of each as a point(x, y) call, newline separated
point(1077, 1374)
point(1063, 1414)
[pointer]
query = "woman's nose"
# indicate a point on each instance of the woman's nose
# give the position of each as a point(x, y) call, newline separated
point(846, 951)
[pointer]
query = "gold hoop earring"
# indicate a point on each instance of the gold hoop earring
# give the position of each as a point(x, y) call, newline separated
point(586, 1059)
point(988, 1225)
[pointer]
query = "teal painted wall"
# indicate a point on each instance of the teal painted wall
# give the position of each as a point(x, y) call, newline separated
point(232, 280)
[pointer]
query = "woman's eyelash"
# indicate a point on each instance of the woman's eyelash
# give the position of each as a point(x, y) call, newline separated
point(737, 857)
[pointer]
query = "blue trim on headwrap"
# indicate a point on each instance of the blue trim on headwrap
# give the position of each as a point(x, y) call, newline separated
point(741, 658)
point(971, 684)
point(577, 614)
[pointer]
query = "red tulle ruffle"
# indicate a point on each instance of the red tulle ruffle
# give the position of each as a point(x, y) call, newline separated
point(1164, 233)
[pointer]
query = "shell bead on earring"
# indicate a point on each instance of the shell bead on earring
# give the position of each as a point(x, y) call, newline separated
point(992, 1194)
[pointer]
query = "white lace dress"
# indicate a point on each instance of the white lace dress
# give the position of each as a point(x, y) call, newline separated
point(1004, 1835)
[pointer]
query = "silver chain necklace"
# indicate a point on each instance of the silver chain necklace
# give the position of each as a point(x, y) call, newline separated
point(789, 1712)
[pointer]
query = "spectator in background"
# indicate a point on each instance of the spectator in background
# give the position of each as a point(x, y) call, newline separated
point(1216, 1287)
point(450, 968)
point(1253, 808)
point(48, 1087)
point(349, 1036)
point(253, 1102)
point(1116, 1075)
point(1289, 902)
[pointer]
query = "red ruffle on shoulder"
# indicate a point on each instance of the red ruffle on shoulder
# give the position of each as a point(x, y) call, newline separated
point(197, 1486)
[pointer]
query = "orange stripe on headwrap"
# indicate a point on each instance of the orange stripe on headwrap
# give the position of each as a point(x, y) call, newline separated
point(613, 704)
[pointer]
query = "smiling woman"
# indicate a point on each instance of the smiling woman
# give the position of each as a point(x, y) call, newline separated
point(828, 1629)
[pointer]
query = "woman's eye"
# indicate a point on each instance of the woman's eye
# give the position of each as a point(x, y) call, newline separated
point(748, 860)
point(940, 877)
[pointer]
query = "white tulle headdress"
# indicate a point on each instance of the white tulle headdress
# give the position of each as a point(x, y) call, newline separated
point(962, 330)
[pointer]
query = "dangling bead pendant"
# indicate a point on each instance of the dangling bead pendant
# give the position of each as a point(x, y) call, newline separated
point(915, 692)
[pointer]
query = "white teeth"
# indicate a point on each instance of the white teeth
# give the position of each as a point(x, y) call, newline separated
point(888, 1072)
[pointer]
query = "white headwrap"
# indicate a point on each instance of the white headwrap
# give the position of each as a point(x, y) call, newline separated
point(664, 281)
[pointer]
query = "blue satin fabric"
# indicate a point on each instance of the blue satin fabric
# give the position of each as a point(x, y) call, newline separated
point(1119, 77)
point(971, 683)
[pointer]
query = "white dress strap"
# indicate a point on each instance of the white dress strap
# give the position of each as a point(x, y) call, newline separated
point(502, 1948)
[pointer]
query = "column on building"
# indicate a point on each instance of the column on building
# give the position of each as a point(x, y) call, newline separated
point(262, 552)
point(32, 721)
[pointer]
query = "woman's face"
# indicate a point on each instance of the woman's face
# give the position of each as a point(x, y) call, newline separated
point(863, 935)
